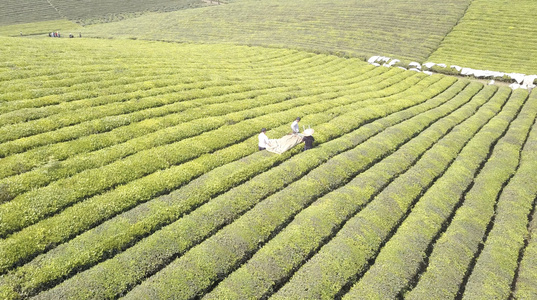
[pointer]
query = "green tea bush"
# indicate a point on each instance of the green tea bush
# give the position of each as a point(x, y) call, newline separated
point(467, 230)
point(324, 129)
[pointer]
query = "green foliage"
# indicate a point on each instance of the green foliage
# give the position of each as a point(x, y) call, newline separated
point(356, 242)
point(399, 260)
point(460, 242)
point(62, 230)
point(525, 287)
point(211, 259)
point(131, 167)
point(347, 28)
point(87, 12)
point(494, 271)
point(492, 36)
point(302, 237)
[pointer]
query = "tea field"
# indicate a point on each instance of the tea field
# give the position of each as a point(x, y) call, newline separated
point(493, 35)
point(131, 169)
point(86, 12)
point(407, 30)
point(129, 161)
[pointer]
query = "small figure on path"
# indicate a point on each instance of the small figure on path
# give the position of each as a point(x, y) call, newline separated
point(308, 139)
point(263, 140)
point(294, 126)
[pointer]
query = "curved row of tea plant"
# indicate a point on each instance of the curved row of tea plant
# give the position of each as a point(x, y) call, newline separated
point(527, 275)
point(400, 259)
point(15, 214)
point(366, 231)
point(164, 111)
point(493, 277)
point(44, 154)
point(472, 221)
point(161, 242)
point(81, 82)
point(408, 30)
point(127, 140)
point(342, 124)
point(58, 225)
point(493, 36)
point(121, 102)
point(265, 219)
point(275, 262)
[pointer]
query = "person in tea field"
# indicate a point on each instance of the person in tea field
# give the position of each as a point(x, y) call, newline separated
point(263, 140)
point(294, 126)
point(308, 139)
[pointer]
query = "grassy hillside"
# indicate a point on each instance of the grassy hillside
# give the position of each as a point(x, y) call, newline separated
point(40, 28)
point(131, 168)
point(488, 34)
point(129, 165)
point(408, 30)
point(494, 35)
point(97, 11)
point(88, 11)
point(26, 11)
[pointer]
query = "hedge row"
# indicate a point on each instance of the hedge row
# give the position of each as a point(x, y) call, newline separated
point(278, 259)
point(494, 272)
point(162, 215)
point(211, 260)
point(99, 125)
point(525, 287)
point(56, 76)
point(192, 76)
point(68, 126)
point(400, 259)
point(52, 84)
point(342, 124)
point(43, 165)
point(347, 255)
point(117, 104)
point(138, 136)
point(72, 90)
point(30, 207)
point(128, 195)
point(131, 273)
point(193, 90)
point(86, 91)
point(452, 255)
point(95, 124)
point(171, 115)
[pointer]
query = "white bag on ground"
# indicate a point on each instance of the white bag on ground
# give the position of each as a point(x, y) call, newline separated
point(285, 143)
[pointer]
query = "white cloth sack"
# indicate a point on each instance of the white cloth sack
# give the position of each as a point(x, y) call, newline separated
point(285, 143)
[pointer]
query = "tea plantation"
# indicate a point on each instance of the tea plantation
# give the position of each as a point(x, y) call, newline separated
point(129, 161)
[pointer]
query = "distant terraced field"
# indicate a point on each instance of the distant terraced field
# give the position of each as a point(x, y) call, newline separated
point(88, 11)
point(409, 30)
point(130, 169)
point(494, 35)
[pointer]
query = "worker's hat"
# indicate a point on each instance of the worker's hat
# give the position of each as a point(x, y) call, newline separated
point(308, 132)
